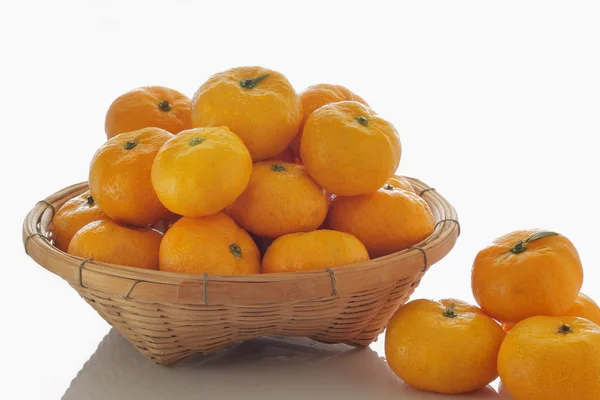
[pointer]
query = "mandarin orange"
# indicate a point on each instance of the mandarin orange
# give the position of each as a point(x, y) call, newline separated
point(72, 216)
point(212, 244)
point(258, 104)
point(348, 149)
point(316, 96)
point(150, 106)
point(527, 273)
point(201, 171)
point(306, 251)
point(281, 198)
point(120, 181)
point(110, 242)
point(446, 346)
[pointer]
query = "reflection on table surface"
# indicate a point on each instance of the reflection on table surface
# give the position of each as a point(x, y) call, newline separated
point(266, 368)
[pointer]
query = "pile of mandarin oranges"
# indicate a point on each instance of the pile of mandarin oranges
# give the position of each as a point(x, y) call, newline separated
point(249, 176)
point(246, 177)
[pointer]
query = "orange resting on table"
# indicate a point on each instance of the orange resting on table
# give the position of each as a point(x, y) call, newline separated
point(307, 251)
point(72, 216)
point(150, 106)
point(316, 96)
point(445, 346)
point(119, 177)
point(280, 198)
point(258, 104)
point(201, 171)
point(348, 149)
point(386, 221)
point(213, 244)
point(551, 358)
point(527, 273)
point(110, 242)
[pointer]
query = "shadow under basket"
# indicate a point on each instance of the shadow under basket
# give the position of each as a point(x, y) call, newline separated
point(170, 316)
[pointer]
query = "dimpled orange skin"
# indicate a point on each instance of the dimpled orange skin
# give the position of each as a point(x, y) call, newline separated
point(316, 96)
point(307, 251)
point(265, 113)
point(201, 171)
point(346, 156)
point(386, 221)
point(72, 216)
point(281, 198)
point(545, 279)
point(110, 242)
point(213, 244)
point(437, 353)
point(119, 177)
point(150, 106)
point(539, 362)
point(584, 307)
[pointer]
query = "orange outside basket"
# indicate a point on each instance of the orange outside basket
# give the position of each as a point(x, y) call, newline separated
point(170, 316)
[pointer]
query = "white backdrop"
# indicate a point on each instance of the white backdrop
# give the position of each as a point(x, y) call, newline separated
point(497, 105)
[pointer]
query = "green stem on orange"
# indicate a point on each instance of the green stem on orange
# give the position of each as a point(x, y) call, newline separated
point(90, 201)
point(130, 145)
point(235, 250)
point(520, 246)
point(196, 141)
point(277, 167)
point(164, 106)
point(449, 312)
point(362, 120)
point(252, 82)
point(565, 329)
point(387, 186)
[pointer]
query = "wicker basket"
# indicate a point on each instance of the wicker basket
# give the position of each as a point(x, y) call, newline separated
point(169, 316)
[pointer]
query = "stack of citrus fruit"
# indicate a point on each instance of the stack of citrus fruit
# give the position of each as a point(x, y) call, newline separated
point(529, 281)
point(246, 177)
point(251, 177)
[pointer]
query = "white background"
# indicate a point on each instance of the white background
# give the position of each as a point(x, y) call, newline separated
point(497, 105)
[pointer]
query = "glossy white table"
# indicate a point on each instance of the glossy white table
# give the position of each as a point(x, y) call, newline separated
point(267, 368)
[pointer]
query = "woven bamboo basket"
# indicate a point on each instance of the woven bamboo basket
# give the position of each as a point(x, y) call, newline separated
point(170, 316)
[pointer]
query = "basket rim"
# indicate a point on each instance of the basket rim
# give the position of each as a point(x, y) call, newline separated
point(36, 231)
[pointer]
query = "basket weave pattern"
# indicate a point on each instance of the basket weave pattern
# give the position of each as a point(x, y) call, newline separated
point(169, 316)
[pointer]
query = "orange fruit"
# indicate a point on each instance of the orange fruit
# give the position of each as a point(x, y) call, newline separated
point(150, 106)
point(258, 104)
point(110, 242)
point(316, 96)
point(348, 149)
point(280, 198)
point(527, 273)
point(445, 346)
point(213, 244)
point(305, 251)
point(201, 171)
point(584, 307)
point(119, 177)
point(386, 221)
point(551, 358)
point(72, 216)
